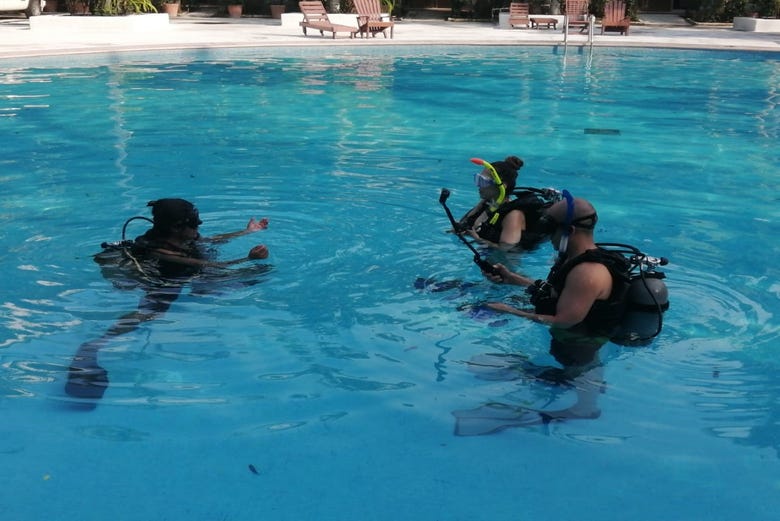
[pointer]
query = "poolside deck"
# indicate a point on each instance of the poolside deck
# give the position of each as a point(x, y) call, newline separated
point(199, 30)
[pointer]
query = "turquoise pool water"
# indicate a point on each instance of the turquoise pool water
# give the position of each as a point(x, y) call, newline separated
point(324, 388)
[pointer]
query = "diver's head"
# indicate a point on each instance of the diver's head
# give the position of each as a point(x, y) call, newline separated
point(507, 176)
point(508, 170)
point(569, 217)
point(172, 215)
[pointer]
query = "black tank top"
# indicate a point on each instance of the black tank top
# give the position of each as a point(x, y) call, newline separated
point(605, 315)
point(146, 244)
point(532, 206)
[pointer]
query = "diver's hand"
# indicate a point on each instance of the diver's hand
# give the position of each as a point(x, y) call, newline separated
point(506, 308)
point(258, 252)
point(459, 228)
point(254, 226)
point(500, 274)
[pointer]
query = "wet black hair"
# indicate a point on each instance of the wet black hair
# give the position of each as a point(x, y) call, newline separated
point(172, 213)
point(507, 171)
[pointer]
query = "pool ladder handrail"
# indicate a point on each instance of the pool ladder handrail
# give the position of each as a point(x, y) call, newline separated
point(591, 23)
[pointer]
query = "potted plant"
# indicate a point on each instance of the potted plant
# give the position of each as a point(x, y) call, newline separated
point(171, 7)
point(389, 5)
point(51, 6)
point(277, 8)
point(235, 8)
point(121, 7)
point(77, 7)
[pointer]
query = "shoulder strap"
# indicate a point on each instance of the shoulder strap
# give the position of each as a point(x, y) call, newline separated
point(467, 221)
point(616, 263)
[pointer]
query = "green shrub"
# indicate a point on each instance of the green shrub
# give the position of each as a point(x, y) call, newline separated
point(122, 7)
point(725, 10)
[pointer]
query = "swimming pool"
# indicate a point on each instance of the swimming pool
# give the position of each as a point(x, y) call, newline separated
point(325, 387)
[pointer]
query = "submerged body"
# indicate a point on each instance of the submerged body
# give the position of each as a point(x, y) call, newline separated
point(584, 300)
point(161, 262)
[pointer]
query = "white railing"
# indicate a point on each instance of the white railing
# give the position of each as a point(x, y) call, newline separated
point(591, 22)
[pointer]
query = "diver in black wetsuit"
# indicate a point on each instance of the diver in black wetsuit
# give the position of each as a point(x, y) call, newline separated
point(593, 294)
point(506, 218)
point(586, 291)
point(582, 301)
point(164, 259)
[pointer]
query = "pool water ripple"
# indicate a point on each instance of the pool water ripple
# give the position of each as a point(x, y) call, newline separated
point(335, 367)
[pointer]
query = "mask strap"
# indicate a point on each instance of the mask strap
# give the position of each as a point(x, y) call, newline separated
point(580, 221)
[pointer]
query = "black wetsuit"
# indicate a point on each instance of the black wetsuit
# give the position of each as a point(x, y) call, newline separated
point(163, 279)
point(530, 203)
point(578, 345)
point(162, 282)
point(144, 245)
point(605, 315)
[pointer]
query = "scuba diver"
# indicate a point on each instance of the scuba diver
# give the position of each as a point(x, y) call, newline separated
point(592, 295)
point(506, 217)
point(160, 261)
point(591, 288)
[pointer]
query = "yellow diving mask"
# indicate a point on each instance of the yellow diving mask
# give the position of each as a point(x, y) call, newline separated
point(497, 181)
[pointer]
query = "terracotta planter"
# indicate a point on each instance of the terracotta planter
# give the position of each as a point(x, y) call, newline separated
point(78, 7)
point(277, 10)
point(172, 9)
point(235, 10)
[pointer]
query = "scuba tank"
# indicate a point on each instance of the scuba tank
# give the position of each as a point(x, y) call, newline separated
point(646, 299)
point(121, 248)
point(117, 262)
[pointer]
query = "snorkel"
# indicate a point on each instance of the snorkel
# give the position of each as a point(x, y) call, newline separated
point(499, 183)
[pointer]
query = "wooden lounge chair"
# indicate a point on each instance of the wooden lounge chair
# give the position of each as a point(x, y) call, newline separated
point(369, 13)
point(315, 17)
point(466, 9)
point(577, 14)
point(615, 17)
point(518, 15)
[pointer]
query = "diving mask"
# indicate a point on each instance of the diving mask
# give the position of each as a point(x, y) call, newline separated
point(483, 180)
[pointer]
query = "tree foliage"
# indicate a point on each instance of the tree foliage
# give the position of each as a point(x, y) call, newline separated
point(725, 10)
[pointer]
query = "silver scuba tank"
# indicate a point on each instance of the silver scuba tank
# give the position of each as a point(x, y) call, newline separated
point(646, 301)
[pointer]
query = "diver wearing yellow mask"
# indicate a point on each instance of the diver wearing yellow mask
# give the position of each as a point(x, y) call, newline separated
point(506, 217)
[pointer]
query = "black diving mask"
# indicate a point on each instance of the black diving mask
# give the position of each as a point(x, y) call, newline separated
point(192, 220)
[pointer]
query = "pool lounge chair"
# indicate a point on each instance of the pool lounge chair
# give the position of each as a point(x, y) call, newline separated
point(615, 17)
point(369, 13)
point(518, 15)
point(577, 14)
point(315, 17)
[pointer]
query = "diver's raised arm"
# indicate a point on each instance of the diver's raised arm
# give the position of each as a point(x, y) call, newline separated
point(252, 226)
point(257, 253)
